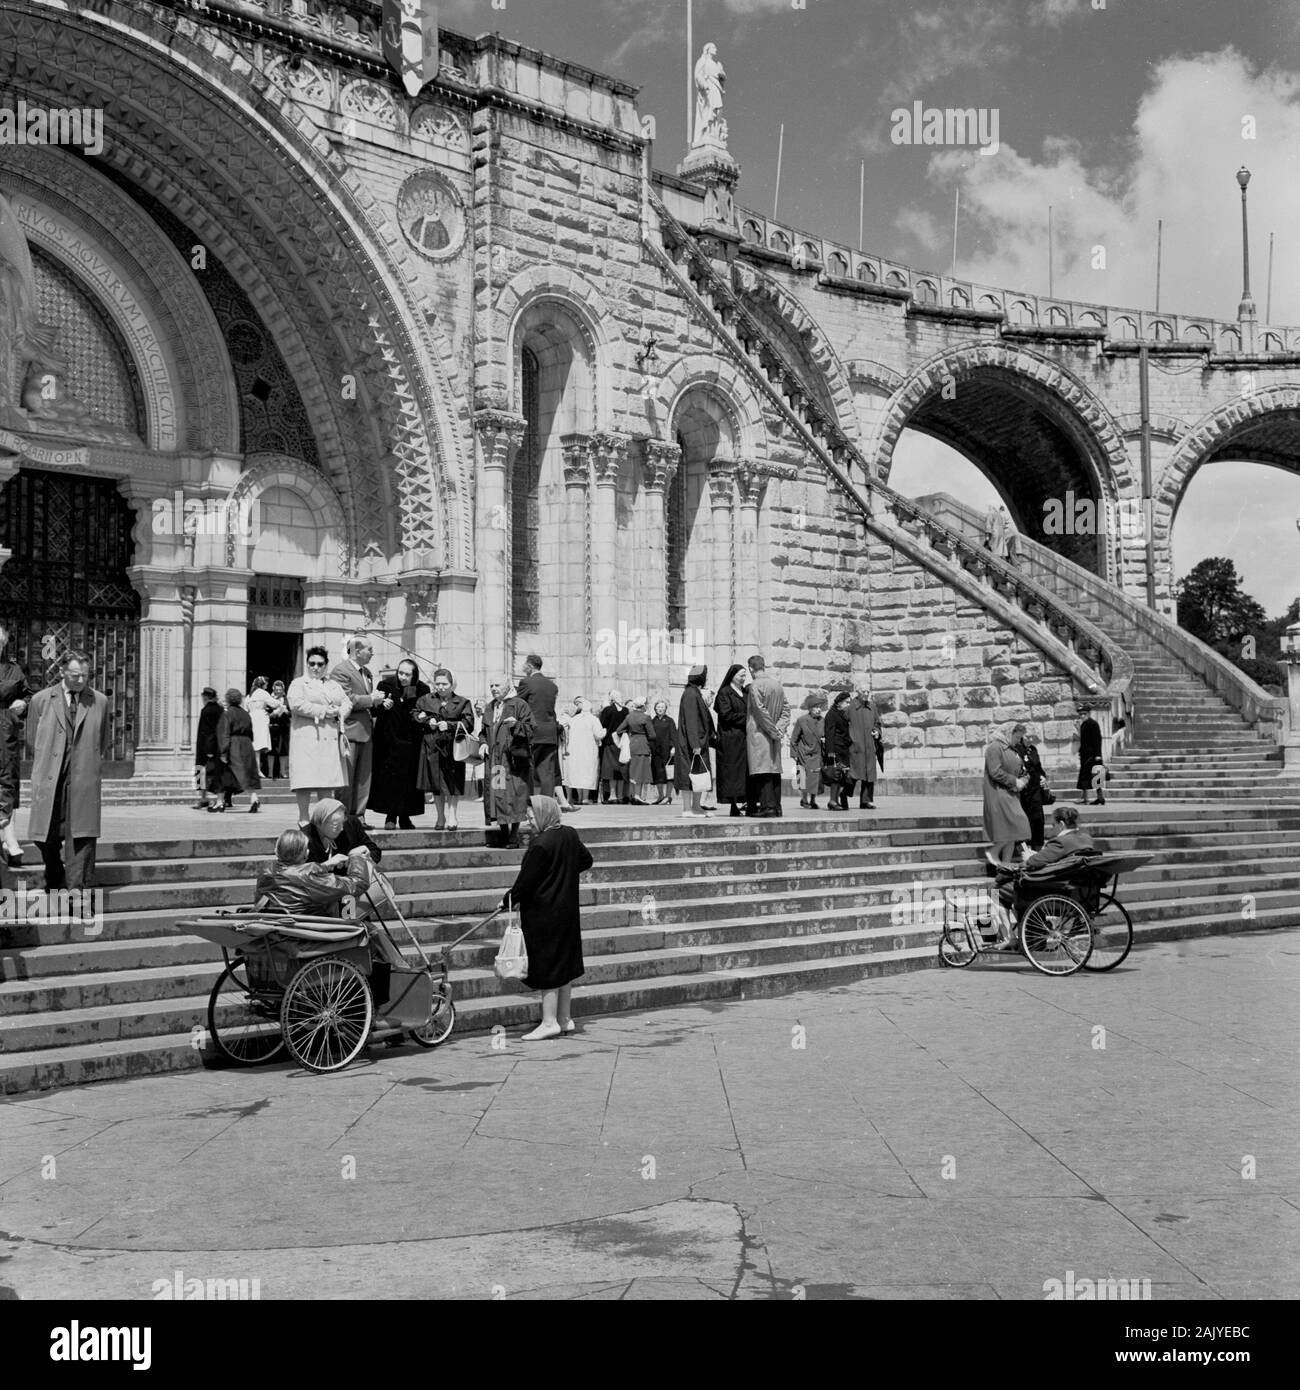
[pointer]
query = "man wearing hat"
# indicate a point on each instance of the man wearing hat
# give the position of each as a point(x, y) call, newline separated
point(767, 717)
point(207, 755)
point(540, 693)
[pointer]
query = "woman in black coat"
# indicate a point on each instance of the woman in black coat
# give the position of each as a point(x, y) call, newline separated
point(613, 780)
point(444, 716)
point(730, 706)
point(1031, 795)
point(1089, 757)
point(279, 731)
point(235, 747)
point(837, 749)
point(546, 896)
point(695, 732)
point(332, 831)
point(398, 740)
point(661, 750)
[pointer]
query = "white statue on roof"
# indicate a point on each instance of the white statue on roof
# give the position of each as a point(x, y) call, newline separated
point(710, 82)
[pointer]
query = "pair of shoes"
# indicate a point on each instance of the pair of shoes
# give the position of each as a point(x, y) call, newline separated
point(870, 806)
point(813, 806)
point(440, 826)
point(834, 806)
point(636, 801)
point(803, 803)
point(390, 823)
point(254, 808)
point(212, 806)
point(405, 823)
point(541, 1033)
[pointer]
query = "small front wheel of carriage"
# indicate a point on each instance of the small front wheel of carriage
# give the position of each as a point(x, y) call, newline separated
point(1055, 934)
point(442, 1019)
point(245, 1026)
point(327, 1013)
point(955, 948)
point(1112, 935)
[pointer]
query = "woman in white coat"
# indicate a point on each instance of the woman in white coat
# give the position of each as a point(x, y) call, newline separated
point(319, 708)
point(261, 705)
point(582, 753)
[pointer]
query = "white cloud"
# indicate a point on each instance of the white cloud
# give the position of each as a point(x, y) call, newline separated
point(1186, 147)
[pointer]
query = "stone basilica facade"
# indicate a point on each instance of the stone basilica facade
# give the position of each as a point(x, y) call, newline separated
point(293, 354)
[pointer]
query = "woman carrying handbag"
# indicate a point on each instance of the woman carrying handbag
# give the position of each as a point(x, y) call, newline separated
point(694, 737)
point(546, 894)
point(448, 721)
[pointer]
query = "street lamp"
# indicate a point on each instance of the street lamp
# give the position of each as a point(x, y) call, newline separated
point(1246, 309)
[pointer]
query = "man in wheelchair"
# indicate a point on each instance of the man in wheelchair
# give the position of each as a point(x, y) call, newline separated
point(1068, 850)
point(293, 884)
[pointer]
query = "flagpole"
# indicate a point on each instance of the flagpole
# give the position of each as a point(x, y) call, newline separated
point(690, 77)
point(1160, 247)
point(780, 147)
point(956, 208)
point(862, 198)
point(1051, 268)
point(1268, 305)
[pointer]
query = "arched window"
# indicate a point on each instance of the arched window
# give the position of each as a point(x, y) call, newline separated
point(525, 588)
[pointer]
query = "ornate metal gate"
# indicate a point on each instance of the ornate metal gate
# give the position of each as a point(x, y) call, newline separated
point(65, 587)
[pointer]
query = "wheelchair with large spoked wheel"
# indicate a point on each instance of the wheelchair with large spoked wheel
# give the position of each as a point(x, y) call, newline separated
point(1067, 921)
point(322, 987)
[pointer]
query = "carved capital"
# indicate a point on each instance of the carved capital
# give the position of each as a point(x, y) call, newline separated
point(751, 482)
point(608, 454)
point(500, 434)
point(722, 483)
point(660, 461)
point(576, 452)
point(421, 592)
point(374, 604)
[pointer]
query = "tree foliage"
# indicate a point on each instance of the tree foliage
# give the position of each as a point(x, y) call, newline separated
point(1213, 606)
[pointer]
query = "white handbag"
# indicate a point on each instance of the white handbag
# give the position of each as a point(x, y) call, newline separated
point(702, 780)
point(624, 749)
point(512, 957)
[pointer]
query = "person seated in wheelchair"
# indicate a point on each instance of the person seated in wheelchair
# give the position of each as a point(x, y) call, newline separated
point(1042, 872)
point(294, 884)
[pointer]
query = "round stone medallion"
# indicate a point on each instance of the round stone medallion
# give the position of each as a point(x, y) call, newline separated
point(431, 215)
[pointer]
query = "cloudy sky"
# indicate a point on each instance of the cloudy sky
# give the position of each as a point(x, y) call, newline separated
point(1116, 113)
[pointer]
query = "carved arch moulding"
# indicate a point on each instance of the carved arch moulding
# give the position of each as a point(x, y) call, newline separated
point(1053, 386)
point(246, 146)
point(108, 244)
point(722, 382)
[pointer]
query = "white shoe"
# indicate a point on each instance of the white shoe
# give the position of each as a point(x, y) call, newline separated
point(542, 1032)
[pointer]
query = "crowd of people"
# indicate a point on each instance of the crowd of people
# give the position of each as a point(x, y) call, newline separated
point(397, 745)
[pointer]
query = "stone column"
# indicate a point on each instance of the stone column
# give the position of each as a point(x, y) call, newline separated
point(167, 691)
point(499, 435)
point(1291, 735)
point(660, 461)
point(573, 660)
point(458, 636)
point(608, 452)
point(720, 624)
point(751, 483)
point(420, 628)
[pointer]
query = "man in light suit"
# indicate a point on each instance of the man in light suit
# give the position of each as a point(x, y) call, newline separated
point(353, 674)
point(68, 725)
point(539, 693)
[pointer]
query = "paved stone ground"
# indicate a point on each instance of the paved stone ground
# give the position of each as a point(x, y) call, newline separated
point(960, 1135)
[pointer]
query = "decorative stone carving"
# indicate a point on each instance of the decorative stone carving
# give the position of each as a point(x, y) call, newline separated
point(659, 463)
point(440, 125)
point(710, 83)
point(500, 434)
point(374, 604)
point(751, 483)
point(422, 599)
point(368, 101)
point(431, 215)
point(302, 80)
point(722, 483)
point(576, 451)
point(608, 453)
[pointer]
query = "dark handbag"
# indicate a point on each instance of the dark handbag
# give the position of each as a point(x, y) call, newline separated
point(833, 772)
point(1046, 794)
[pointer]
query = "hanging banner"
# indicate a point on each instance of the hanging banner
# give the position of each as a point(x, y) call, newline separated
point(410, 41)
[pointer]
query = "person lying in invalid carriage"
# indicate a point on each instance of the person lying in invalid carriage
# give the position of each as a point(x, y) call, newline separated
point(1041, 872)
point(293, 884)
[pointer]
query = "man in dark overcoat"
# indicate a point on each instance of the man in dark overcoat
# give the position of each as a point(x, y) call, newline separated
point(207, 751)
point(540, 693)
point(864, 723)
point(68, 724)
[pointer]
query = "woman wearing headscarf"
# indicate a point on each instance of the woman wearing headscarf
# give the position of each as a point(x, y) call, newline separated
point(730, 707)
point(445, 717)
point(639, 730)
point(837, 739)
point(1031, 796)
point(662, 744)
point(320, 708)
point(294, 884)
point(546, 896)
point(14, 695)
point(695, 731)
point(508, 750)
point(238, 758)
point(1005, 821)
point(806, 747)
point(332, 832)
point(612, 780)
point(399, 742)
